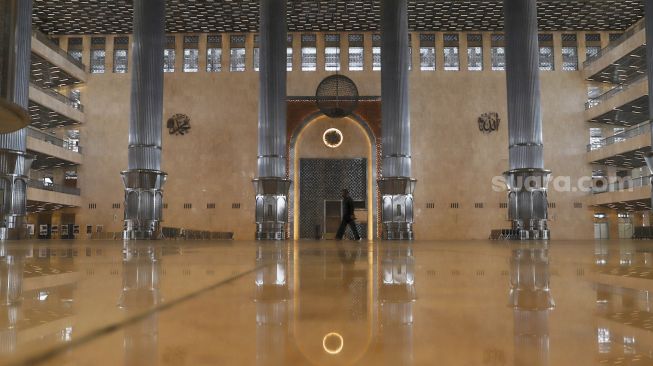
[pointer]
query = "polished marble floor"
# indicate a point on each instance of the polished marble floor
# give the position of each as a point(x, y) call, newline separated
point(326, 303)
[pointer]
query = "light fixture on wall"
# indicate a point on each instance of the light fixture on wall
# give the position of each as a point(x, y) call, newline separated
point(332, 138)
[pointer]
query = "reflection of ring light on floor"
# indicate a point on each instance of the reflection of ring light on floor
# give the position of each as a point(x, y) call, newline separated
point(333, 337)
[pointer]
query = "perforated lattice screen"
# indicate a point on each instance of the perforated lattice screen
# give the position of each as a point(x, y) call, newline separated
point(109, 17)
point(323, 179)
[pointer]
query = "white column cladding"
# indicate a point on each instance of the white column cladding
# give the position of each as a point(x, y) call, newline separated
point(15, 51)
point(396, 186)
point(272, 186)
point(648, 19)
point(527, 179)
point(144, 180)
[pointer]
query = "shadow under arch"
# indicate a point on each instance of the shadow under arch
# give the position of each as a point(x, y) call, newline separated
point(372, 169)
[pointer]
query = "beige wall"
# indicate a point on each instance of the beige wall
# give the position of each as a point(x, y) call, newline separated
point(453, 161)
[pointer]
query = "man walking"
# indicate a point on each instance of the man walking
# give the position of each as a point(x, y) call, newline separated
point(348, 217)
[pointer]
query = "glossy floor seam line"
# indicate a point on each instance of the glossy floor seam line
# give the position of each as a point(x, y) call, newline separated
point(40, 358)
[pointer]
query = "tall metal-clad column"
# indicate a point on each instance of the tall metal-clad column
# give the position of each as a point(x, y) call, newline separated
point(648, 15)
point(396, 186)
point(144, 180)
point(527, 179)
point(15, 49)
point(272, 185)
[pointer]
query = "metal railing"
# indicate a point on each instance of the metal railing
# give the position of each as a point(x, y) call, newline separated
point(638, 130)
point(627, 183)
point(629, 33)
point(60, 97)
point(40, 184)
point(54, 47)
point(593, 102)
point(54, 140)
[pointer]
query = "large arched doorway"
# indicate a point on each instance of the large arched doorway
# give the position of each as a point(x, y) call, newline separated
point(320, 166)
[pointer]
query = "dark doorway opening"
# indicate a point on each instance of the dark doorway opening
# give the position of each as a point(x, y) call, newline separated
point(320, 185)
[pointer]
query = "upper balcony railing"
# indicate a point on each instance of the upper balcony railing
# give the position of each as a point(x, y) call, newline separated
point(593, 102)
point(54, 140)
point(627, 183)
point(629, 33)
point(60, 97)
point(54, 47)
point(638, 130)
point(41, 184)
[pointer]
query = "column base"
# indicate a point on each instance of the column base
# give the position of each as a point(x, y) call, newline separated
point(143, 204)
point(397, 231)
point(271, 208)
point(397, 208)
point(13, 233)
point(520, 234)
point(271, 231)
point(14, 166)
point(141, 235)
point(527, 205)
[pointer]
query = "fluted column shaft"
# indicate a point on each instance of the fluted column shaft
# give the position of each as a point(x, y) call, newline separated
point(648, 19)
point(396, 186)
point(272, 94)
point(271, 186)
point(15, 54)
point(146, 117)
point(15, 50)
point(527, 179)
point(648, 15)
point(144, 179)
point(394, 89)
point(523, 82)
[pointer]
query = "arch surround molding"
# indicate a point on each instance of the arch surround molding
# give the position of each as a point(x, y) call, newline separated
point(302, 111)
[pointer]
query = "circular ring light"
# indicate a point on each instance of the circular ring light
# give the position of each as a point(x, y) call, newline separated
point(330, 340)
point(332, 138)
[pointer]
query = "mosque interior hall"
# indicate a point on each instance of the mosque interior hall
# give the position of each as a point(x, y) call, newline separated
point(326, 182)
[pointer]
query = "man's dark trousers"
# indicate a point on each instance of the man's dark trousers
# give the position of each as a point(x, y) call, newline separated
point(343, 226)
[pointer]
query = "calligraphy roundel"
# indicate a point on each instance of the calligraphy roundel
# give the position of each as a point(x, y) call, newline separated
point(178, 124)
point(489, 122)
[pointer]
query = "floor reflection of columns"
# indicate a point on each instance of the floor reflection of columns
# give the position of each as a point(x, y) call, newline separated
point(12, 266)
point(272, 303)
point(396, 298)
point(531, 300)
point(141, 273)
point(624, 321)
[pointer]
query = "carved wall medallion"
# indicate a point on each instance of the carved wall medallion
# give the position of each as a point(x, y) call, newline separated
point(489, 122)
point(178, 124)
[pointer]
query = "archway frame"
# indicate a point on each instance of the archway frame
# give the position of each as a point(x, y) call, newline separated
point(374, 154)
